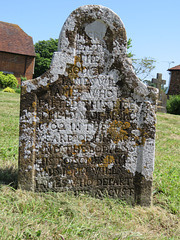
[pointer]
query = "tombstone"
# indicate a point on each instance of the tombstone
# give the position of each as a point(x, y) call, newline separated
point(88, 124)
point(162, 98)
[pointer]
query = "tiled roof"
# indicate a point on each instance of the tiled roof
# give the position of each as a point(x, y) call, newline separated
point(174, 68)
point(14, 40)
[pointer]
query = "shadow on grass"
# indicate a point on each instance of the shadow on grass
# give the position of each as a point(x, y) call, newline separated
point(9, 176)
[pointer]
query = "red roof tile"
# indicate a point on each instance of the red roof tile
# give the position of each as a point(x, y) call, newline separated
point(14, 40)
point(174, 68)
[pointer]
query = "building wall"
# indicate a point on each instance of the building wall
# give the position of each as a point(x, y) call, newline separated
point(20, 65)
point(174, 88)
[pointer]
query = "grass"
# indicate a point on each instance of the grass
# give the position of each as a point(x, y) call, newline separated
point(9, 131)
point(28, 215)
point(167, 165)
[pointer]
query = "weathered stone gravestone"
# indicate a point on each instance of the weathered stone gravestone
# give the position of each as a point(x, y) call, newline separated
point(88, 124)
point(162, 98)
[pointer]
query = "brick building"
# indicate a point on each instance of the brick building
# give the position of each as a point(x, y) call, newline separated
point(174, 86)
point(17, 53)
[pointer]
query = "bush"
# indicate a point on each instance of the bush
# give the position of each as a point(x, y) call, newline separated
point(8, 89)
point(8, 80)
point(23, 78)
point(17, 90)
point(173, 104)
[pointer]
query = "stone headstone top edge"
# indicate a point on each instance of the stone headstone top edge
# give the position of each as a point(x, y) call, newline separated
point(93, 12)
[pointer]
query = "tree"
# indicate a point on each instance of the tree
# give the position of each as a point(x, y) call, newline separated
point(142, 66)
point(129, 45)
point(44, 52)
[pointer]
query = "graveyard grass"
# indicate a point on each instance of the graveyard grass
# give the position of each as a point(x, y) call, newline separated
point(27, 215)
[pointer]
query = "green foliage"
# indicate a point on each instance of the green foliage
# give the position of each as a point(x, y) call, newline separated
point(18, 90)
point(8, 80)
point(9, 90)
point(173, 104)
point(44, 52)
point(129, 45)
point(23, 78)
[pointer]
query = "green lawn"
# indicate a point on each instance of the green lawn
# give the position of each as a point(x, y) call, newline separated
point(27, 215)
